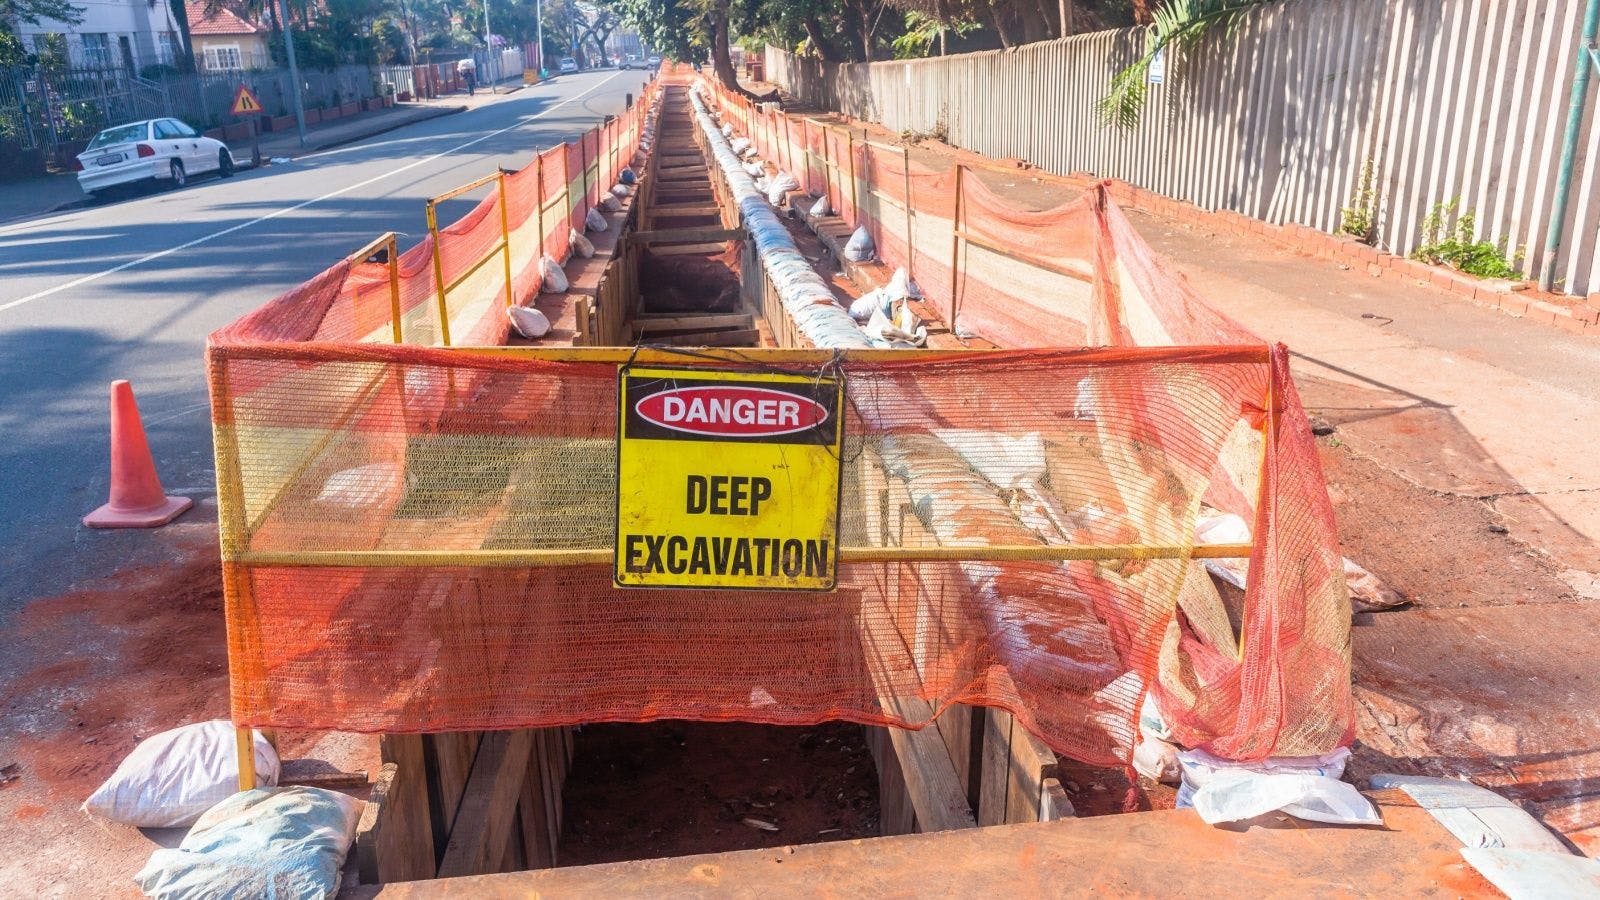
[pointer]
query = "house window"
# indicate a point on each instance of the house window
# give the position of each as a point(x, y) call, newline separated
point(224, 58)
point(166, 48)
point(96, 51)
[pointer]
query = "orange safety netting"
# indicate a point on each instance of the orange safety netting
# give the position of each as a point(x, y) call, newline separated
point(354, 300)
point(417, 538)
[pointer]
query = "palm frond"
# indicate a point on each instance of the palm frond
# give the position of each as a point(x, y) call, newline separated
point(1178, 24)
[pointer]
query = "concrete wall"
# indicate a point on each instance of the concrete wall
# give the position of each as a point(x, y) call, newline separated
point(1444, 98)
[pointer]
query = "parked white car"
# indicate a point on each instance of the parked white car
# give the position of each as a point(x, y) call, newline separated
point(567, 64)
point(155, 149)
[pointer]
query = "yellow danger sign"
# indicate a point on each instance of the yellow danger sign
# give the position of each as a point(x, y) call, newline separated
point(245, 102)
point(728, 479)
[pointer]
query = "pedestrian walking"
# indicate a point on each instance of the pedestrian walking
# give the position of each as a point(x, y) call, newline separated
point(468, 70)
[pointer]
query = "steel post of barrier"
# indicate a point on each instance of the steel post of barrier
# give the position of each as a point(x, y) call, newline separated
point(538, 205)
point(505, 238)
point(827, 172)
point(911, 240)
point(583, 167)
point(566, 184)
point(438, 275)
point(850, 149)
point(955, 251)
point(245, 746)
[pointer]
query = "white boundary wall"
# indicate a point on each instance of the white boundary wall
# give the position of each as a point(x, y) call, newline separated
point(1447, 98)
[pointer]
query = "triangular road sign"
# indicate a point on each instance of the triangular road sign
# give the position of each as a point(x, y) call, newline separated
point(245, 102)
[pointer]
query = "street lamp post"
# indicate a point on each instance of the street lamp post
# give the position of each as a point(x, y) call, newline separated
point(538, 30)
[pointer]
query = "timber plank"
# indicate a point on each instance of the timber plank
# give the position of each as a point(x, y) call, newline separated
point(688, 249)
point(449, 758)
point(744, 338)
point(483, 823)
point(645, 324)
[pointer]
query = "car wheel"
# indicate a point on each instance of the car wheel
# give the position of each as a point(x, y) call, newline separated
point(179, 179)
point(224, 163)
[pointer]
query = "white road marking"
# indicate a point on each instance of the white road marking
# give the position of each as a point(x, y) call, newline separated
point(77, 282)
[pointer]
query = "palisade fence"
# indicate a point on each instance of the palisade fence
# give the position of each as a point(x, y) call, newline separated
point(1443, 99)
point(47, 108)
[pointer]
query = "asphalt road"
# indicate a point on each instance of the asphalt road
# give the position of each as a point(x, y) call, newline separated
point(131, 289)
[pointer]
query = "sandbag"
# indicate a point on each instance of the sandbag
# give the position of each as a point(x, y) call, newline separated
point(872, 301)
point(620, 190)
point(285, 843)
point(780, 186)
point(594, 221)
point(171, 778)
point(901, 286)
point(610, 203)
point(627, 176)
point(552, 279)
point(860, 247)
point(361, 488)
point(821, 208)
point(530, 323)
point(580, 244)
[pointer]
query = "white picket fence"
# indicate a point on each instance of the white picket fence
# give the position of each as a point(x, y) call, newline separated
point(1445, 99)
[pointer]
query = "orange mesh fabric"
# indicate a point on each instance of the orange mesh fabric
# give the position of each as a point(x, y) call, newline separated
point(946, 452)
point(416, 538)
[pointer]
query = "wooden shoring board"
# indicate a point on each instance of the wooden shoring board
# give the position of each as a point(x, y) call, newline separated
point(646, 324)
point(394, 836)
point(484, 821)
point(689, 249)
point(742, 338)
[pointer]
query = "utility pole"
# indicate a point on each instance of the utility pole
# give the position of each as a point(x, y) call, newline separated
point(488, 42)
point(294, 71)
point(538, 30)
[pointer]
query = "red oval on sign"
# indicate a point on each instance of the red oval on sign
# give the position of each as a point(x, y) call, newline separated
point(727, 410)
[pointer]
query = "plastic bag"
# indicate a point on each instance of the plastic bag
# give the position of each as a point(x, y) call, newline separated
point(530, 323)
point(627, 176)
point(286, 843)
point(1157, 760)
point(1201, 770)
point(821, 208)
point(593, 221)
point(1239, 794)
point(173, 777)
point(860, 247)
point(580, 244)
point(363, 487)
point(781, 184)
point(552, 280)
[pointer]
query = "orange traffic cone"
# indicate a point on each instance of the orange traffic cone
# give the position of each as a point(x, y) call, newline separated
point(137, 500)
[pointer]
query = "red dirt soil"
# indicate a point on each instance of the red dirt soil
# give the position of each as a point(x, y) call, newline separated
point(689, 283)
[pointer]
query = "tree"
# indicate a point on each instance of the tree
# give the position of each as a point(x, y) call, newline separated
point(16, 13)
point(1180, 25)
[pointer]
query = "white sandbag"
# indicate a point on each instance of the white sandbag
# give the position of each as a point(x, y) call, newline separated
point(1214, 527)
point(860, 247)
point(902, 286)
point(594, 221)
point(173, 777)
point(1235, 795)
point(620, 190)
point(360, 488)
point(727, 129)
point(286, 843)
point(580, 244)
point(1009, 462)
point(739, 145)
point(627, 176)
point(610, 203)
point(821, 208)
point(552, 279)
point(530, 323)
point(1157, 760)
point(779, 187)
point(872, 301)
point(750, 152)
point(1367, 593)
point(755, 170)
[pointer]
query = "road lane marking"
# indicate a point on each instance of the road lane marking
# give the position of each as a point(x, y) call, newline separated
point(204, 239)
